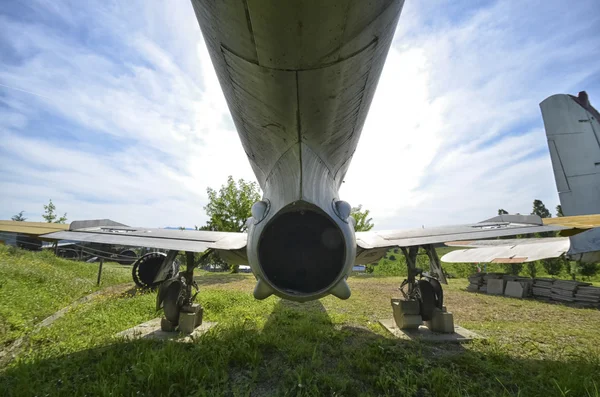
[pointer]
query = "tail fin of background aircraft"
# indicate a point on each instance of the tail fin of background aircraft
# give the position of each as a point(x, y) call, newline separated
point(573, 131)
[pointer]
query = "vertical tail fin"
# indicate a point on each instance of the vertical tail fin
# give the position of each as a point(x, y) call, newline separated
point(573, 131)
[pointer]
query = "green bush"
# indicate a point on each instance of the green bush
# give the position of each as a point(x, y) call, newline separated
point(553, 266)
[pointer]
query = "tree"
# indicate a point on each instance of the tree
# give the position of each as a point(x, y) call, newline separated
point(19, 217)
point(588, 269)
point(532, 269)
point(540, 209)
point(559, 212)
point(230, 207)
point(228, 210)
point(363, 222)
point(502, 212)
point(50, 216)
point(553, 266)
point(514, 268)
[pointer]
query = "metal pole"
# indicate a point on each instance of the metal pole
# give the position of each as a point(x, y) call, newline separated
point(100, 270)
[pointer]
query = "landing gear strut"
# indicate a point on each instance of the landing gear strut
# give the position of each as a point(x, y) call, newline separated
point(176, 297)
point(423, 299)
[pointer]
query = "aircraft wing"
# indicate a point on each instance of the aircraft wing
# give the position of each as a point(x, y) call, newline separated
point(170, 239)
point(31, 228)
point(502, 242)
point(514, 252)
point(373, 245)
point(583, 246)
point(500, 226)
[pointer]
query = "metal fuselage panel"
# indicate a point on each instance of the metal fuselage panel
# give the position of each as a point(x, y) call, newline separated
point(573, 130)
point(298, 77)
point(573, 134)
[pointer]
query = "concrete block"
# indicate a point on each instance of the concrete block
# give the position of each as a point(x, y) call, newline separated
point(408, 321)
point(406, 314)
point(441, 321)
point(196, 309)
point(406, 306)
point(152, 330)
point(166, 326)
point(495, 286)
point(423, 333)
point(199, 315)
point(515, 289)
point(187, 322)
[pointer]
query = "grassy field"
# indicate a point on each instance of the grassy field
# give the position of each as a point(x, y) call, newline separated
point(35, 285)
point(327, 347)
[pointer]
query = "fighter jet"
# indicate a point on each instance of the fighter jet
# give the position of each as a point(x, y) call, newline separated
point(298, 78)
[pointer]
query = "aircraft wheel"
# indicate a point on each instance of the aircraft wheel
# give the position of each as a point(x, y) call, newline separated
point(146, 268)
point(427, 299)
point(127, 257)
point(439, 293)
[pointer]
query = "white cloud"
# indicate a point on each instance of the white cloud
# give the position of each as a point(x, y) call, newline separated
point(167, 127)
point(453, 133)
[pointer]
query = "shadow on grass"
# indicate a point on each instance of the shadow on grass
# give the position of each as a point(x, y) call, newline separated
point(299, 351)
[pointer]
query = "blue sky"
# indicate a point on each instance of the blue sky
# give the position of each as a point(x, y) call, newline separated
point(113, 110)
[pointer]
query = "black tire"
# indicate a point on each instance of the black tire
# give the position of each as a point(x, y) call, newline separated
point(439, 293)
point(173, 300)
point(427, 299)
point(145, 269)
point(127, 257)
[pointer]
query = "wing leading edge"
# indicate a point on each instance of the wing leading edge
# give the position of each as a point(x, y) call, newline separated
point(180, 240)
point(495, 227)
point(374, 245)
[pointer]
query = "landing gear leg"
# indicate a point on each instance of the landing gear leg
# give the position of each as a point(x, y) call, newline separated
point(176, 298)
point(423, 299)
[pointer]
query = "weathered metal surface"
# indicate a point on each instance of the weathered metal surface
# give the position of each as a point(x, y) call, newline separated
point(75, 225)
point(299, 78)
point(408, 238)
point(573, 132)
point(503, 242)
point(516, 219)
point(298, 73)
point(181, 240)
point(586, 242)
point(528, 252)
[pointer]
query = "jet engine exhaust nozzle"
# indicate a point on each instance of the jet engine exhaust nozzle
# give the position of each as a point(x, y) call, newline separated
point(302, 251)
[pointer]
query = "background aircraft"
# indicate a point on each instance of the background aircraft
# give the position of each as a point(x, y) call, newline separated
point(573, 132)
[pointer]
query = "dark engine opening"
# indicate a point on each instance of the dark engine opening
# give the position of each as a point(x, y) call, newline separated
point(301, 251)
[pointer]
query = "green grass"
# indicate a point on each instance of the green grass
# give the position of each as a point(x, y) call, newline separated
point(327, 347)
point(394, 264)
point(35, 285)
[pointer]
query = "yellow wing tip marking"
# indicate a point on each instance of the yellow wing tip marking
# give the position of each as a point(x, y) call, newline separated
point(579, 221)
point(31, 228)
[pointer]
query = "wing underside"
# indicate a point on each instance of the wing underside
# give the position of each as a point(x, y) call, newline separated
point(513, 253)
point(373, 245)
point(180, 240)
